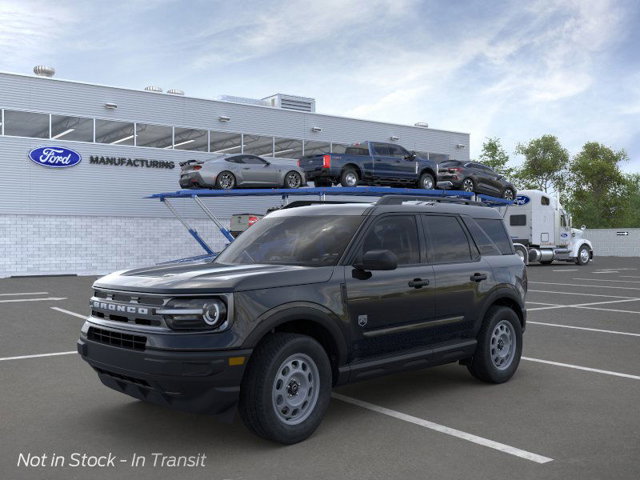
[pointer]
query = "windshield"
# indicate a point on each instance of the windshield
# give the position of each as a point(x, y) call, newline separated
point(315, 241)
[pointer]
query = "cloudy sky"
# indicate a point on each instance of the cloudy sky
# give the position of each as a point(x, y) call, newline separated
point(509, 69)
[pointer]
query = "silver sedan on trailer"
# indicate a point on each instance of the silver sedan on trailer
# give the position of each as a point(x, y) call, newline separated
point(240, 170)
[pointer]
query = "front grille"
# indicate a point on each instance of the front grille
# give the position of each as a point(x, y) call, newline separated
point(117, 339)
point(131, 308)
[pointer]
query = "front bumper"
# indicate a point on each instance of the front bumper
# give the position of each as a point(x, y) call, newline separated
point(192, 381)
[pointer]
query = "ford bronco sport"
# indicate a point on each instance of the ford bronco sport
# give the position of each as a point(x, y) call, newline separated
point(310, 298)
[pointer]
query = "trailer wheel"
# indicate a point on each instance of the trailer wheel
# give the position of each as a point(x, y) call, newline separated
point(583, 255)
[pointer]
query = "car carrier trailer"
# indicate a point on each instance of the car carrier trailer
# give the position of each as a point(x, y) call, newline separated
point(320, 192)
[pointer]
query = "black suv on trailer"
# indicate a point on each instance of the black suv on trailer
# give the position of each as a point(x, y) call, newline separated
point(310, 298)
point(475, 177)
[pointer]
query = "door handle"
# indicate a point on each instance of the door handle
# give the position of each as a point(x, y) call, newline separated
point(418, 283)
point(478, 277)
point(247, 168)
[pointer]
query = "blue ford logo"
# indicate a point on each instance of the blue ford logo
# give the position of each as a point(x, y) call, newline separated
point(56, 157)
point(521, 200)
point(564, 235)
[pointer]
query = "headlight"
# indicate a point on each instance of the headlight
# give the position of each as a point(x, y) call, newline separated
point(195, 314)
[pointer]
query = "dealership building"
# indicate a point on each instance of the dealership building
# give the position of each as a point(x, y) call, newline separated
point(92, 217)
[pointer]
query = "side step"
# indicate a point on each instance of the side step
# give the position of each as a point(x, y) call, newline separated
point(407, 360)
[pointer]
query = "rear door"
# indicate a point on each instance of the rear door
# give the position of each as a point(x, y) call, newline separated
point(391, 310)
point(383, 161)
point(462, 277)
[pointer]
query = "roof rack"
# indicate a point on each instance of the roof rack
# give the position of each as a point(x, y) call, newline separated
point(389, 196)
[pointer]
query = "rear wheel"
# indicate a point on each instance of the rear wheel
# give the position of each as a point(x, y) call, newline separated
point(584, 255)
point(225, 181)
point(293, 180)
point(349, 178)
point(426, 182)
point(468, 185)
point(546, 262)
point(499, 347)
point(286, 389)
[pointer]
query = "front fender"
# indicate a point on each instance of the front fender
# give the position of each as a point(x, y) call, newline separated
point(293, 311)
point(579, 243)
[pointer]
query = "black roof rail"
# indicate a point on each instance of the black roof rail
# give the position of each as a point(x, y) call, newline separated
point(399, 199)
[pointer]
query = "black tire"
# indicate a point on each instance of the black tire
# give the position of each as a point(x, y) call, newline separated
point(468, 185)
point(546, 262)
point(509, 194)
point(347, 178)
point(259, 390)
point(292, 180)
point(583, 258)
point(484, 364)
point(225, 180)
point(322, 182)
point(426, 182)
point(522, 252)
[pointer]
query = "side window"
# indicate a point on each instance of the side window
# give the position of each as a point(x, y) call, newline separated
point(398, 234)
point(253, 160)
point(563, 221)
point(381, 149)
point(449, 243)
point(397, 151)
point(238, 159)
point(494, 228)
point(544, 201)
point(484, 243)
point(518, 220)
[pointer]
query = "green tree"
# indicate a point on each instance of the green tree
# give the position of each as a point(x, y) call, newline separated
point(631, 217)
point(494, 155)
point(545, 164)
point(599, 192)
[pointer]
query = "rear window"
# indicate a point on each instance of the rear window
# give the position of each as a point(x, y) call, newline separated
point(450, 163)
point(449, 243)
point(494, 229)
point(356, 151)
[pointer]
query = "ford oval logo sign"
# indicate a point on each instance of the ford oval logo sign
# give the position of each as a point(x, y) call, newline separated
point(56, 157)
point(521, 200)
point(564, 235)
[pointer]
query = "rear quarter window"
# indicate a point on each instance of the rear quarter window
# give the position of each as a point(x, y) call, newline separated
point(495, 230)
point(447, 240)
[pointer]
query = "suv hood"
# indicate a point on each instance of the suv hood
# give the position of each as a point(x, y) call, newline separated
point(193, 278)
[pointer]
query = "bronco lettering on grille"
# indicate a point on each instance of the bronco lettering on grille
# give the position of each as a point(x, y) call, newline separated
point(120, 308)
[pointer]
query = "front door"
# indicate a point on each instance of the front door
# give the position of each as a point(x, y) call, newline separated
point(391, 310)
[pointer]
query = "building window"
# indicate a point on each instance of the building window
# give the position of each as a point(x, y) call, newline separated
point(316, 148)
point(26, 124)
point(157, 136)
point(287, 148)
point(191, 139)
point(258, 145)
point(225, 142)
point(115, 133)
point(71, 128)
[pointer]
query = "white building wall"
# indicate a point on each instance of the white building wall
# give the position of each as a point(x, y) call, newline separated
point(84, 245)
point(608, 242)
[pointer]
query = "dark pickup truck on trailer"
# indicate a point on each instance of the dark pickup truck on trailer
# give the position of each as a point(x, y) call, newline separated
point(309, 298)
point(371, 163)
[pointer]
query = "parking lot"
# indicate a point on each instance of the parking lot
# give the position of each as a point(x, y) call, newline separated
point(571, 411)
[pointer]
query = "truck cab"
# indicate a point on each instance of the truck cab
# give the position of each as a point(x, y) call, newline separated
point(541, 230)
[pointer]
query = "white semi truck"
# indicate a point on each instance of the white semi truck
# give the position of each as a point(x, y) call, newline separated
point(541, 230)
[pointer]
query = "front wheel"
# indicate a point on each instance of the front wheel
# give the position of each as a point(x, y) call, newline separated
point(292, 180)
point(499, 347)
point(286, 389)
point(468, 185)
point(584, 255)
point(426, 182)
point(508, 194)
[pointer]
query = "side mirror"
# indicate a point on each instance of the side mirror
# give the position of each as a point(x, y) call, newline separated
point(583, 228)
point(378, 260)
point(411, 156)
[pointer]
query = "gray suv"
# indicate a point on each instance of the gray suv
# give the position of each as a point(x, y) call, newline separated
point(310, 298)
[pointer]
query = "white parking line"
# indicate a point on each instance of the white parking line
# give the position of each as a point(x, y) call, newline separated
point(553, 307)
point(485, 442)
point(586, 369)
point(584, 328)
point(629, 276)
point(23, 293)
point(73, 314)
point(565, 270)
point(37, 356)
point(583, 294)
point(609, 310)
point(587, 286)
point(539, 303)
point(605, 280)
point(586, 305)
point(48, 299)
